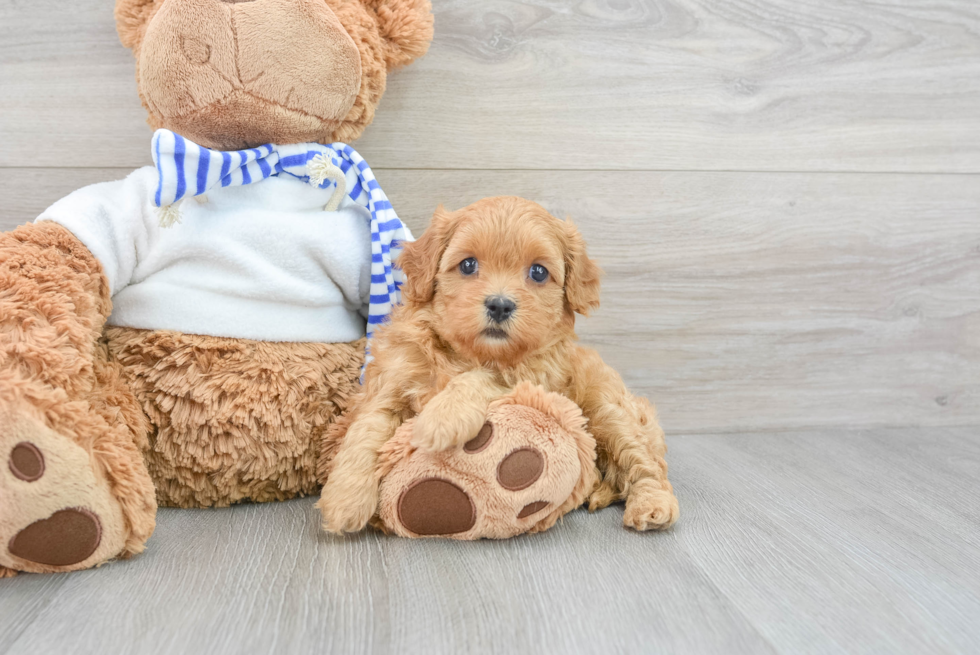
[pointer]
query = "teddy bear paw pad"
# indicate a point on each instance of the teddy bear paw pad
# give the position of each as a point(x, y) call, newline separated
point(433, 507)
point(67, 537)
point(56, 512)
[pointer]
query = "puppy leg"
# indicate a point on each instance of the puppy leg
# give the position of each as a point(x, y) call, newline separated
point(456, 414)
point(631, 448)
point(350, 497)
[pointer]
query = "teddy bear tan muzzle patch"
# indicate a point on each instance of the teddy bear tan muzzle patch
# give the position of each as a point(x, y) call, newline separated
point(221, 74)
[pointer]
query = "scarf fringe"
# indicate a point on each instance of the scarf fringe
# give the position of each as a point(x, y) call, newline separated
point(169, 215)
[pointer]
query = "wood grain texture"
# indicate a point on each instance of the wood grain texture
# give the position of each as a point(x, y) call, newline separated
point(821, 542)
point(741, 301)
point(748, 290)
point(841, 85)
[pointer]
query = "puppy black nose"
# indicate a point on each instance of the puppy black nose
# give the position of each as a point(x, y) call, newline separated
point(499, 308)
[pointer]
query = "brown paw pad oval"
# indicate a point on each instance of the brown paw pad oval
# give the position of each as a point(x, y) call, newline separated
point(520, 469)
point(532, 508)
point(26, 462)
point(436, 507)
point(480, 441)
point(67, 537)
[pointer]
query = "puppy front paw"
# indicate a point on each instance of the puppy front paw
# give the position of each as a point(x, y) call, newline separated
point(439, 428)
point(344, 508)
point(650, 509)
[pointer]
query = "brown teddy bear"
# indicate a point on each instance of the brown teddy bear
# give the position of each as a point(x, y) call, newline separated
point(186, 335)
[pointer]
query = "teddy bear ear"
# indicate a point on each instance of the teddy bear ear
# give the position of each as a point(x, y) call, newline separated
point(405, 27)
point(131, 19)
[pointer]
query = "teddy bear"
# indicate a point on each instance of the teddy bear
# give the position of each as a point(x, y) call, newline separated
point(185, 336)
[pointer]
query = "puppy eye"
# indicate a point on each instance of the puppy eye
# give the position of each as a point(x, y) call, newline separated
point(538, 273)
point(468, 266)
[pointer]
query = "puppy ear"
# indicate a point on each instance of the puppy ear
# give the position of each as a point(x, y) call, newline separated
point(420, 259)
point(581, 273)
point(131, 19)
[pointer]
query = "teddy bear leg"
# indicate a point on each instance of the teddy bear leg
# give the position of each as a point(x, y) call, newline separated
point(532, 462)
point(74, 491)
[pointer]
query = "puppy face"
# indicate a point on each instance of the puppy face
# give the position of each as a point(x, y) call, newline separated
point(503, 278)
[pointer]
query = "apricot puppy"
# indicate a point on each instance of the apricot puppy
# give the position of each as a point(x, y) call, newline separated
point(490, 302)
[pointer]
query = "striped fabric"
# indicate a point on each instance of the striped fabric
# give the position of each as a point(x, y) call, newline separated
point(187, 169)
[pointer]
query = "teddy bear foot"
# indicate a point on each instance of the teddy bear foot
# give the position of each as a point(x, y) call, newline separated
point(531, 463)
point(57, 513)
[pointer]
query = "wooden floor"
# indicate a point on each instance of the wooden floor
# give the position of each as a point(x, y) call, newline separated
point(826, 541)
point(785, 196)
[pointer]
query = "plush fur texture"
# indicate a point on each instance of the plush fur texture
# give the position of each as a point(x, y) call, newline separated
point(528, 417)
point(124, 417)
point(237, 75)
point(444, 361)
point(234, 419)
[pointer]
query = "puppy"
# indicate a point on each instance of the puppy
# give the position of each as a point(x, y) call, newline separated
point(490, 301)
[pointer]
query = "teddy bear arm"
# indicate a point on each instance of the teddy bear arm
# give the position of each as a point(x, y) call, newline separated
point(56, 303)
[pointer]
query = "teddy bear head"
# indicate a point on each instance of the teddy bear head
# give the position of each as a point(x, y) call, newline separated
point(232, 74)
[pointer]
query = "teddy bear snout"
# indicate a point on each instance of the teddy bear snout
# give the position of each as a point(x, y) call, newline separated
point(242, 55)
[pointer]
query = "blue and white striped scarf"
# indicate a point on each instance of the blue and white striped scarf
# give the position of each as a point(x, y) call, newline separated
point(187, 169)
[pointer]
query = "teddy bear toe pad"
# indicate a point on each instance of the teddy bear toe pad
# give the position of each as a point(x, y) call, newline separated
point(26, 462)
point(56, 512)
point(520, 469)
point(497, 485)
point(433, 507)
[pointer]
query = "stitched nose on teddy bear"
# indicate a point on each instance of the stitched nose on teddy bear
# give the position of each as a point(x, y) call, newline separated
point(241, 63)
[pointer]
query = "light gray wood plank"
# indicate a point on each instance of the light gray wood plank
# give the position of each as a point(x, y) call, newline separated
point(21, 602)
point(823, 541)
point(259, 579)
point(843, 85)
point(744, 301)
point(851, 532)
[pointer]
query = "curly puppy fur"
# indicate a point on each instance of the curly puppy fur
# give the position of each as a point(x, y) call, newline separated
point(444, 360)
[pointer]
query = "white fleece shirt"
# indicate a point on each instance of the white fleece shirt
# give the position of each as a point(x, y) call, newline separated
point(261, 261)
